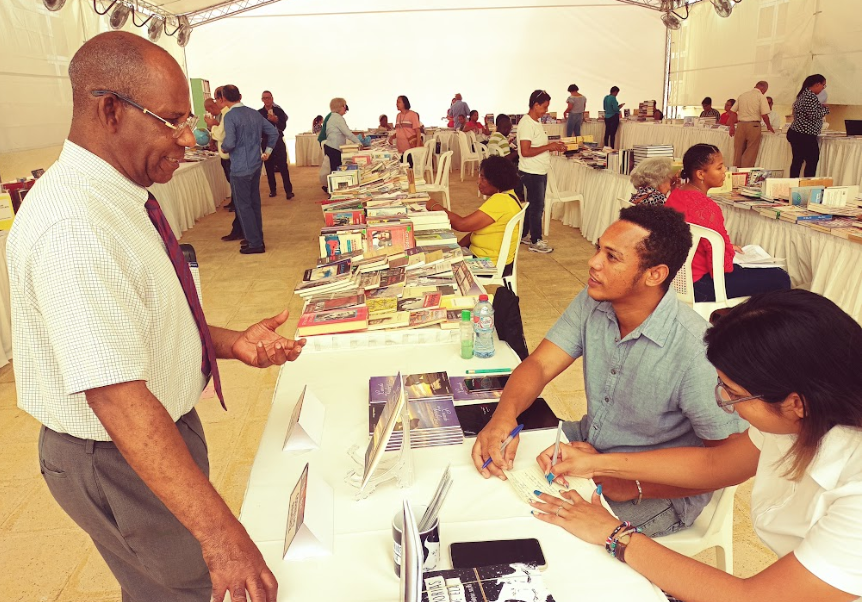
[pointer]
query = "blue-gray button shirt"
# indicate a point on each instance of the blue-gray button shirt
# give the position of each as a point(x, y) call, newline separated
point(652, 389)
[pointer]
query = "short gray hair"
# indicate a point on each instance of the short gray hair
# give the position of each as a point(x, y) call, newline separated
point(337, 103)
point(652, 172)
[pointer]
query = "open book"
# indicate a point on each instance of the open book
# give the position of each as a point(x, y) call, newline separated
point(754, 256)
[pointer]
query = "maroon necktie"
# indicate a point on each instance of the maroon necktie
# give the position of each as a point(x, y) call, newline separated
point(208, 355)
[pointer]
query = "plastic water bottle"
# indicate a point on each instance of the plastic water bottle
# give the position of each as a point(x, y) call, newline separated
point(483, 327)
point(466, 335)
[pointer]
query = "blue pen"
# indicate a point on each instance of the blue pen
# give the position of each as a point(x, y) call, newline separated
point(506, 442)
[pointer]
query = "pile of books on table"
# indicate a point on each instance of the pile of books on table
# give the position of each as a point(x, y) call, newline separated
point(443, 412)
point(646, 110)
point(641, 152)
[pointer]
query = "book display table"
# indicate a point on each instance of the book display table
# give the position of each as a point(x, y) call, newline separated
point(840, 156)
point(308, 150)
point(816, 261)
point(360, 567)
point(5, 307)
point(193, 192)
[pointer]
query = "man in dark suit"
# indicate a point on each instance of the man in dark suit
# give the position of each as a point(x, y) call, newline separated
point(278, 161)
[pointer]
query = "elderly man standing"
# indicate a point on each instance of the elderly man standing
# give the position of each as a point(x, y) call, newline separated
point(278, 161)
point(459, 108)
point(244, 129)
point(744, 124)
point(112, 349)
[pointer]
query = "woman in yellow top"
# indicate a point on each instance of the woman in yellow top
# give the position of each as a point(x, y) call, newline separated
point(498, 179)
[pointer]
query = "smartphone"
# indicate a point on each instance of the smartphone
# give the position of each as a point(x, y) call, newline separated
point(486, 383)
point(471, 554)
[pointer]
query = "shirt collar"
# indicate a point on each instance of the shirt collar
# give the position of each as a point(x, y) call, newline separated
point(100, 174)
point(834, 453)
point(657, 326)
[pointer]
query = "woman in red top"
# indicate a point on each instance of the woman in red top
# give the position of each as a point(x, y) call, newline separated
point(704, 168)
point(473, 124)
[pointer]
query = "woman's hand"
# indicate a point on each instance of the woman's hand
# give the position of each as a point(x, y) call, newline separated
point(737, 248)
point(577, 459)
point(588, 521)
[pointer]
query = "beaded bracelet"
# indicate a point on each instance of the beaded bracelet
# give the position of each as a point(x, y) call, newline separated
point(611, 541)
point(619, 548)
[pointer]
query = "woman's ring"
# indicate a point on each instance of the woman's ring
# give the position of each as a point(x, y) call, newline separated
point(559, 508)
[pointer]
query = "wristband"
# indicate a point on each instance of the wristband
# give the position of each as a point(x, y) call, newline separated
point(640, 493)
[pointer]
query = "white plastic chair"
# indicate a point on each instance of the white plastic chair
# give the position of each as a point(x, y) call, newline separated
point(443, 141)
point(683, 284)
point(428, 168)
point(512, 226)
point(441, 181)
point(713, 527)
point(555, 196)
point(467, 154)
point(419, 158)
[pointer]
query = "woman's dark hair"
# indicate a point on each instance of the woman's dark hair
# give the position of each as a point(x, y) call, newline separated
point(810, 81)
point(697, 157)
point(614, 89)
point(474, 111)
point(538, 97)
point(500, 173)
point(707, 101)
point(318, 118)
point(794, 341)
point(405, 101)
point(572, 88)
point(669, 240)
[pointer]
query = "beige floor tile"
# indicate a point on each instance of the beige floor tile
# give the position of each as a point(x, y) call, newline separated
point(37, 566)
point(91, 581)
point(14, 495)
point(39, 513)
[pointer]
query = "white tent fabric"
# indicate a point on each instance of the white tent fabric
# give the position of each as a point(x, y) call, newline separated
point(36, 46)
point(494, 54)
point(780, 41)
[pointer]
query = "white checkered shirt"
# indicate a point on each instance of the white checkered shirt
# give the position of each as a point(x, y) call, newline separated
point(95, 299)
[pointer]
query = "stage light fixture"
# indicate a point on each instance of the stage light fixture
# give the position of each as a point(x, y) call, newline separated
point(119, 16)
point(671, 21)
point(723, 7)
point(53, 5)
point(156, 27)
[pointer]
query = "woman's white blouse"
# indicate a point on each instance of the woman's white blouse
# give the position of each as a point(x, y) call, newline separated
point(820, 517)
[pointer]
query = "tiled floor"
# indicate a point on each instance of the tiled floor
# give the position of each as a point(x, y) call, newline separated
point(46, 558)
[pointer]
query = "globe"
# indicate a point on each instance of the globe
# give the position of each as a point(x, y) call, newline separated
point(202, 137)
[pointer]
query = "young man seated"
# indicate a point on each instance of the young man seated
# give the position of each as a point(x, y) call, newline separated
point(646, 376)
point(499, 144)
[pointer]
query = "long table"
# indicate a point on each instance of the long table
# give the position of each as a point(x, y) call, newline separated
point(308, 150)
point(816, 261)
point(193, 192)
point(361, 565)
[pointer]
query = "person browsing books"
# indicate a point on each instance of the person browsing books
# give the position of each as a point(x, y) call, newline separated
point(653, 180)
point(744, 124)
point(707, 109)
point(723, 119)
point(335, 132)
point(384, 124)
point(803, 133)
point(534, 153)
point(574, 113)
point(703, 169)
point(803, 447)
point(407, 127)
point(485, 227)
point(112, 348)
point(646, 377)
point(611, 110)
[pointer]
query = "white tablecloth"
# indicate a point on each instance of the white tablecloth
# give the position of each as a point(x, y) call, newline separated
point(308, 150)
point(840, 156)
point(817, 261)
point(361, 567)
point(192, 193)
point(5, 307)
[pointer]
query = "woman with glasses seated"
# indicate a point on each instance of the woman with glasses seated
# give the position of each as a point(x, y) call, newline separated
point(486, 226)
point(799, 389)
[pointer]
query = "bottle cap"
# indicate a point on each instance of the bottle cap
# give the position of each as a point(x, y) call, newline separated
point(465, 315)
point(483, 297)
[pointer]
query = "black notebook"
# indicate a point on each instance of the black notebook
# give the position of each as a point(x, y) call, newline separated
point(474, 417)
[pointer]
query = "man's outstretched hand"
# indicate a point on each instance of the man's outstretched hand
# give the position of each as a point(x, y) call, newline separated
point(261, 346)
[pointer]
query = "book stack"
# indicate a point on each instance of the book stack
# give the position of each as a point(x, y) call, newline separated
point(646, 110)
point(433, 420)
point(646, 151)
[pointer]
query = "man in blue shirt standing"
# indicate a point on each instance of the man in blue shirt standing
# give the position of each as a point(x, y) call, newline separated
point(646, 376)
point(244, 128)
point(612, 116)
point(459, 107)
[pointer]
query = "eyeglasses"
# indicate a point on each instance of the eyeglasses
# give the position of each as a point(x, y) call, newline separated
point(191, 121)
point(725, 399)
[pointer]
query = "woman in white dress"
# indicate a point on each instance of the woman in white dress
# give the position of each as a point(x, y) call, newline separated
point(789, 363)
